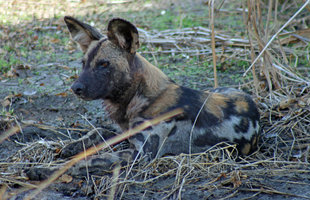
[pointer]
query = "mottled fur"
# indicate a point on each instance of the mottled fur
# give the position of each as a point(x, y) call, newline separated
point(134, 90)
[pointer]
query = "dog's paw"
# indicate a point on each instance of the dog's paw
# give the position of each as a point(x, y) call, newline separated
point(72, 149)
point(38, 173)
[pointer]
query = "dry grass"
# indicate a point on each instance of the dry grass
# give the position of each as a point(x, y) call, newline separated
point(283, 96)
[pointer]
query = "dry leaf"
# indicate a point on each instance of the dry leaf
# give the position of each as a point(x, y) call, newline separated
point(23, 66)
point(222, 175)
point(55, 40)
point(12, 73)
point(75, 124)
point(80, 183)
point(65, 67)
point(65, 178)
point(58, 150)
point(12, 96)
point(286, 103)
point(62, 94)
point(59, 119)
point(5, 103)
point(236, 183)
point(74, 77)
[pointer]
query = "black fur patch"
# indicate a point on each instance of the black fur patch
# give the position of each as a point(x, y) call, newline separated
point(139, 137)
point(94, 52)
point(190, 101)
point(173, 131)
point(134, 154)
point(208, 139)
point(243, 126)
point(242, 142)
point(101, 162)
point(252, 112)
point(151, 145)
point(93, 136)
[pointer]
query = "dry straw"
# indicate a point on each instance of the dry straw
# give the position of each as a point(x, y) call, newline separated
point(104, 145)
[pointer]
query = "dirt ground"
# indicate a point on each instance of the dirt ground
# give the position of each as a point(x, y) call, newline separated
point(248, 179)
point(36, 98)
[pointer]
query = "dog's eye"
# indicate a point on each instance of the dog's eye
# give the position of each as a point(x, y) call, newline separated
point(103, 63)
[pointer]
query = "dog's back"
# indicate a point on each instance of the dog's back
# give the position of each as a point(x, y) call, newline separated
point(208, 118)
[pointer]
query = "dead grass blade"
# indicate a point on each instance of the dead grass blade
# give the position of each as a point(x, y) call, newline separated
point(116, 173)
point(103, 145)
point(28, 185)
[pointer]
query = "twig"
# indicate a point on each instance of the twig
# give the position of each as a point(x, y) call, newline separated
point(213, 43)
point(273, 191)
point(19, 183)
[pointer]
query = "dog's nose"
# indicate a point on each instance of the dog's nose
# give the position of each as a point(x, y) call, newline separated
point(78, 88)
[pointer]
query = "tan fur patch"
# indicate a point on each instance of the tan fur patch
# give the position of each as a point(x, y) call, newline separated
point(254, 141)
point(112, 111)
point(216, 103)
point(241, 106)
point(121, 40)
point(109, 107)
point(125, 155)
point(121, 64)
point(167, 99)
point(83, 39)
point(81, 36)
point(155, 79)
point(246, 149)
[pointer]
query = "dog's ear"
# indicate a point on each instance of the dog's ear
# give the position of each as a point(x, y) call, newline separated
point(82, 33)
point(123, 34)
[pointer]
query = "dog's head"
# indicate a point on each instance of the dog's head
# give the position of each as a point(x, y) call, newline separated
point(107, 61)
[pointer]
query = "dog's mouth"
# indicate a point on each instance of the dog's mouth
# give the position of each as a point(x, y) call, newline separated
point(82, 96)
point(85, 98)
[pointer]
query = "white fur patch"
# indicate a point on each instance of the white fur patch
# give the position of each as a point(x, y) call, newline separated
point(226, 130)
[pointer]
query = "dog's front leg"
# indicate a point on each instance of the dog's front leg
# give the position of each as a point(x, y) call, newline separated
point(96, 165)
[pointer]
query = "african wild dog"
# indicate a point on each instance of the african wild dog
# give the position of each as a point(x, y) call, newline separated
point(134, 90)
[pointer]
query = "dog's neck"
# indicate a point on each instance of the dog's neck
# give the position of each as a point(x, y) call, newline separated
point(154, 79)
point(148, 82)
